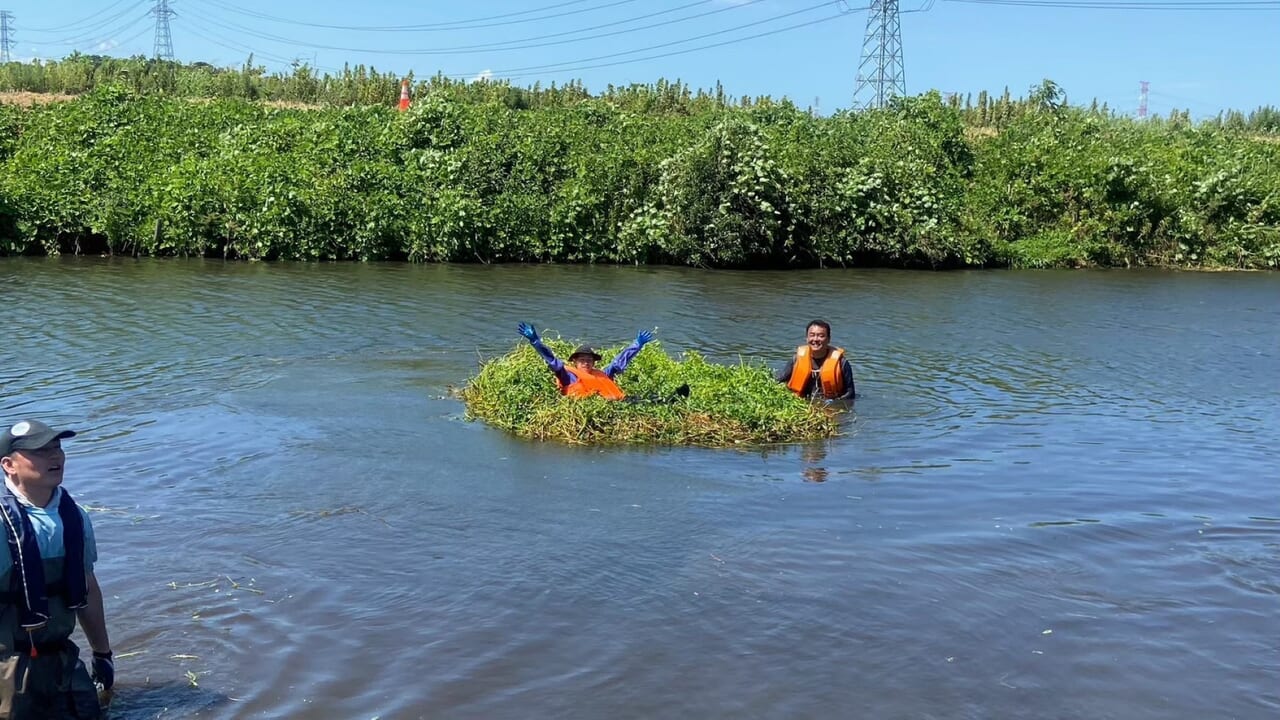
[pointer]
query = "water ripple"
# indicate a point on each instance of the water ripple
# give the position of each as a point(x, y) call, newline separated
point(1053, 485)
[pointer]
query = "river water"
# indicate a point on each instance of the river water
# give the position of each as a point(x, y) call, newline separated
point(1056, 497)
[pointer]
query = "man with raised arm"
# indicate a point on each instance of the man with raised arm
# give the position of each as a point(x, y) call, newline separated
point(580, 378)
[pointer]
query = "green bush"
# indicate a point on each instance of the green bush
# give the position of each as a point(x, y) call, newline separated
point(646, 174)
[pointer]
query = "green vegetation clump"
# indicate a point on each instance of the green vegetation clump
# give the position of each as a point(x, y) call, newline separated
point(485, 172)
point(727, 406)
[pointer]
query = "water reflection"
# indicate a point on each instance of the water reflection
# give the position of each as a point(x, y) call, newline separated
point(813, 456)
point(815, 474)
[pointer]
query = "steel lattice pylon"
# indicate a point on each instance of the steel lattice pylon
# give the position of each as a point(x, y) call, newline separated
point(164, 41)
point(880, 73)
point(6, 36)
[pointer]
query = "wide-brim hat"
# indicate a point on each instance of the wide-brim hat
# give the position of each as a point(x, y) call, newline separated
point(30, 435)
point(585, 350)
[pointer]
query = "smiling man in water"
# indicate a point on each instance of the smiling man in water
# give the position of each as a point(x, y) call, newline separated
point(47, 570)
point(819, 370)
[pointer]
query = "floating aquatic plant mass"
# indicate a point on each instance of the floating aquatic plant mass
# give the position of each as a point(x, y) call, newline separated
point(727, 406)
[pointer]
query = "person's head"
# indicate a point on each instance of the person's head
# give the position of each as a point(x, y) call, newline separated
point(31, 454)
point(817, 335)
point(584, 357)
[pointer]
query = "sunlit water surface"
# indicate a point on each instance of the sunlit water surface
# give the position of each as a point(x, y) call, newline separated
point(1057, 495)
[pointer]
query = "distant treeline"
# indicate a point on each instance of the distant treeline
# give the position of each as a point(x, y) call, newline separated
point(485, 172)
point(361, 85)
point(996, 112)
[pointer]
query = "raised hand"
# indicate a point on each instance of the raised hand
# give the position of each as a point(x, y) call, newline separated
point(528, 332)
point(643, 337)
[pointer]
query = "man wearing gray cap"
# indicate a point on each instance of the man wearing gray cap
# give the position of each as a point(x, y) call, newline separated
point(46, 584)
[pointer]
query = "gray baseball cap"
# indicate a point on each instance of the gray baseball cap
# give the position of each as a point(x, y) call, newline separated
point(30, 435)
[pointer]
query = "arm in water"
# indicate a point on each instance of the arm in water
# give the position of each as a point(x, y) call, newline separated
point(846, 371)
point(784, 375)
point(620, 363)
point(553, 363)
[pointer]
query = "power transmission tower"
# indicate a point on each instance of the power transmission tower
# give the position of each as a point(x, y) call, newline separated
point(1142, 98)
point(6, 36)
point(881, 74)
point(164, 41)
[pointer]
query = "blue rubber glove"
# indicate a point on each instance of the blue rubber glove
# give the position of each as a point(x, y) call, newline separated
point(644, 336)
point(104, 670)
point(528, 332)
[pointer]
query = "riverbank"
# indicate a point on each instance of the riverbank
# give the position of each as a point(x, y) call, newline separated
point(470, 177)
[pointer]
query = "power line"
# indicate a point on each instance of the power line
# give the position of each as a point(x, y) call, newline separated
point(239, 28)
point(578, 64)
point(608, 59)
point(1160, 5)
point(520, 44)
point(101, 34)
point(471, 24)
point(238, 47)
point(506, 73)
point(703, 36)
point(107, 39)
point(97, 30)
point(125, 42)
point(74, 26)
point(242, 48)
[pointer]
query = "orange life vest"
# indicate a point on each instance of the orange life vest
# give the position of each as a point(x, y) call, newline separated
point(830, 376)
point(590, 382)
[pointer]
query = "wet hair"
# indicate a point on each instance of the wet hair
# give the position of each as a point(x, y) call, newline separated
point(820, 323)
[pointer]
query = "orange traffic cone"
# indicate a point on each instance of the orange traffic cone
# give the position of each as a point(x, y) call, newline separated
point(404, 94)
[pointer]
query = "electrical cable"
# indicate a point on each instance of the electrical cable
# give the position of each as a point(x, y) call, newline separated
point(1156, 5)
point(72, 26)
point(98, 35)
point(505, 73)
point(236, 28)
point(145, 29)
point(237, 47)
point(523, 43)
point(471, 24)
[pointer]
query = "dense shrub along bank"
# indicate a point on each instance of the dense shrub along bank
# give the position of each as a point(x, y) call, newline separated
point(631, 178)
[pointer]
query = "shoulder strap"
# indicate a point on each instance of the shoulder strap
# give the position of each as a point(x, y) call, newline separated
point(28, 567)
point(13, 532)
point(73, 575)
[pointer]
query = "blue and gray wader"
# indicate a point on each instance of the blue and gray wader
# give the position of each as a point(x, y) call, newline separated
point(49, 683)
point(53, 685)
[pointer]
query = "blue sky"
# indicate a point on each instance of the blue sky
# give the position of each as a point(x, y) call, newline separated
point(1204, 60)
